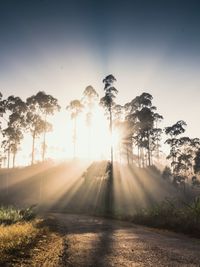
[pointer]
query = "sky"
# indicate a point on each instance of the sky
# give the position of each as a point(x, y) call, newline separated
point(62, 46)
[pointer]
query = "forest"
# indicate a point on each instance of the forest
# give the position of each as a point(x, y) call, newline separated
point(135, 182)
point(136, 125)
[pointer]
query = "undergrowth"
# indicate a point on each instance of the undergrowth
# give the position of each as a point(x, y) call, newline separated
point(10, 215)
point(174, 215)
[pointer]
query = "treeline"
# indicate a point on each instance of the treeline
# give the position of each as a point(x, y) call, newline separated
point(136, 122)
point(19, 117)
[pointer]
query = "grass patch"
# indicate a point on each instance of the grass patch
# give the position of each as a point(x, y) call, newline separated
point(173, 215)
point(16, 238)
point(10, 215)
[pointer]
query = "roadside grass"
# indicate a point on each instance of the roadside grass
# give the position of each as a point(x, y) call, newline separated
point(19, 231)
point(173, 215)
point(10, 215)
point(15, 238)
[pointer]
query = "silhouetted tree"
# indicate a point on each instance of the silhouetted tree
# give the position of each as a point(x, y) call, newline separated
point(173, 131)
point(39, 107)
point(13, 134)
point(75, 107)
point(143, 120)
point(195, 182)
point(12, 138)
point(182, 153)
point(48, 106)
point(108, 102)
point(197, 162)
point(2, 108)
point(2, 112)
point(167, 174)
point(119, 128)
point(90, 97)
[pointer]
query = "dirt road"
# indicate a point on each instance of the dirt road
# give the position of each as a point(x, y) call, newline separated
point(76, 240)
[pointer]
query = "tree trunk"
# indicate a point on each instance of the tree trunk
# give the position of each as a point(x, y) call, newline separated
point(149, 153)
point(33, 150)
point(139, 156)
point(44, 141)
point(143, 160)
point(111, 154)
point(14, 156)
point(8, 160)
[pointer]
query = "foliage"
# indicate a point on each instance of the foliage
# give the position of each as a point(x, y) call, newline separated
point(75, 108)
point(108, 102)
point(10, 215)
point(143, 124)
point(40, 106)
point(183, 153)
point(195, 181)
point(172, 214)
point(197, 162)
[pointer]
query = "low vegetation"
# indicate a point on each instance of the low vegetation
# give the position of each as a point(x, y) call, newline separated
point(10, 215)
point(16, 238)
point(18, 231)
point(173, 215)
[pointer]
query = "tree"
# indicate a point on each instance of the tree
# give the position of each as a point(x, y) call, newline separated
point(2, 112)
point(108, 102)
point(12, 138)
point(90, 97)
point(75, 107)
point(2, 108)
point(195, 182)
point(119, 127)
point(197, 162)
point(182, 153)
point(40, 106)
point(143, 120)
point(13, 134)
point(173, 131)
point(167, 174)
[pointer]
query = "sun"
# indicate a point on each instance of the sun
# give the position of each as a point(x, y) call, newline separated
point(92, 143)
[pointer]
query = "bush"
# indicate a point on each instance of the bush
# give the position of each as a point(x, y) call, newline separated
point(174, 215)
point(10, 215)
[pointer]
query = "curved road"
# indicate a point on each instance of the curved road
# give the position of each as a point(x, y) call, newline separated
point(77, 240)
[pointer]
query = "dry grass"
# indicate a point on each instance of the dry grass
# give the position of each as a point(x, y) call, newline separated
point(17, 237)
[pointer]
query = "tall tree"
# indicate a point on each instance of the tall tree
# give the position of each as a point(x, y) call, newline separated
point(173, 131)
point(13, 134)
point(2, 112)
point(119, 128)
point(40, 106)
point(142, 119)
point(90, 97)
point(75, 107)
point(2, 108)
point(197, 162)
point(12, 138)
point(108, 102)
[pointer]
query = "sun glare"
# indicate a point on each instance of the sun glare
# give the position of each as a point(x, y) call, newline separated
point(91, 144)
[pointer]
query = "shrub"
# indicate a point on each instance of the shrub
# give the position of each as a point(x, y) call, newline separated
point(10, 215)
point(174, 215)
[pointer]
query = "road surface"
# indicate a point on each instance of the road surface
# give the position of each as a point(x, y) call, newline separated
point(77, 240)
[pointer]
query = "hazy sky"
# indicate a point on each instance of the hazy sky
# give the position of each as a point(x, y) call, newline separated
point(63, 46)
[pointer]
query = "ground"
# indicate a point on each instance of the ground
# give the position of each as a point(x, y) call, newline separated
point(78, 240)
